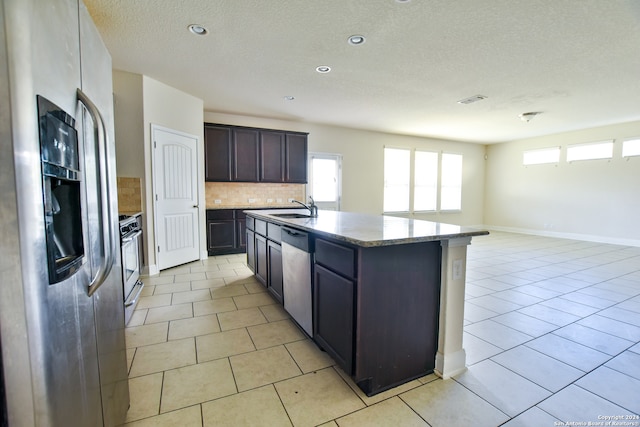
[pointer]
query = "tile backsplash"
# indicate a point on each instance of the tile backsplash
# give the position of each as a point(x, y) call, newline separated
point(231, 194)
point(129, 195)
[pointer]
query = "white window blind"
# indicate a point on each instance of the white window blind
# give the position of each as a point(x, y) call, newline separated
point(397, 167)
point(425, 192)
point(451, 185)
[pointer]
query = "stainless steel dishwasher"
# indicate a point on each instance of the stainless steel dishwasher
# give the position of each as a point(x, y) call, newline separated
point(297, 249)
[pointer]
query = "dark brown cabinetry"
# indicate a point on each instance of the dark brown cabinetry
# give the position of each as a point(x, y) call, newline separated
point(333, 308)
point(296, 158)
point(225, 231)
point(251, 249)
point(264, 255)
point(274, 271)
point(261, 259)
point(242, 154)
point(231, 154)
point(217, 153)
point(334, 286)
point(370, 314)
point(272, 147)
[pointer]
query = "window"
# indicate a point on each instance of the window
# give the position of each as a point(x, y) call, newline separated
point(396, 179)
point(325, 180)
point(425, 191)
point(411, 181)
point(451, 187)
point(541, 156)
point(595, 150)
point(631, 147)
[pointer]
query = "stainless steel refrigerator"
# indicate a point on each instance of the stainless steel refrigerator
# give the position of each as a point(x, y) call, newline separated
point(61, 296)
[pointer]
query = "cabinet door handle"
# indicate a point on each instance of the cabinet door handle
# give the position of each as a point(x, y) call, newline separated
point(196, 206)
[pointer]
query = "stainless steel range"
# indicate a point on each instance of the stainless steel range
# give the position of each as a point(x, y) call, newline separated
point(130, 243)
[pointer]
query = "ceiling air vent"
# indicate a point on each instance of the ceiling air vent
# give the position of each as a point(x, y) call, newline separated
point(472, 99)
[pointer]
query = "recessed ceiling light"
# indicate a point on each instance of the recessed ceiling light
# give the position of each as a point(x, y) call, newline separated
point(403, 1)
point(198, 29)
point(356, 40)
point(289, 98)
point(323, 69)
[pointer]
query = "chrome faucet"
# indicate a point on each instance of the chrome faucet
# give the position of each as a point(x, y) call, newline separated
point(313, 209)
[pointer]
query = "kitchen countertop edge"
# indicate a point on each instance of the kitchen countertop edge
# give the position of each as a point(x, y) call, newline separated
point(349, 234)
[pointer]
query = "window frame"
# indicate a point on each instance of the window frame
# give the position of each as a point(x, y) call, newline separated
point(555, 150)
point(412, 181)
point(589, 144)
point(633, 154)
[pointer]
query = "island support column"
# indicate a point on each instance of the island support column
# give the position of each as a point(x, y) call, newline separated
point(451, 357)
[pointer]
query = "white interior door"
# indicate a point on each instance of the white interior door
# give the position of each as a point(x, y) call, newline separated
point(176, 197)
point(325, 176)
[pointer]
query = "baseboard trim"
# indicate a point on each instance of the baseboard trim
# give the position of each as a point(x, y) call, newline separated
point(150, 270)
point(561, 235)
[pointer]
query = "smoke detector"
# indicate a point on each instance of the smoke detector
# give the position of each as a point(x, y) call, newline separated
point(472, 99)
point(527, 117)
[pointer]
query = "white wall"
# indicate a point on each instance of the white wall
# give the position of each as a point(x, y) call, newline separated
point(170, 108)
point(593, 200)
point(362, 163)
point(128, 114)
point(140, 102)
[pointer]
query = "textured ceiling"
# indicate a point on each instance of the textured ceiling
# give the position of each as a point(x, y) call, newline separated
point(576, 61)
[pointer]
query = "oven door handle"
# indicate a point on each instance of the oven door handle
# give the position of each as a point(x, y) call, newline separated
point(131, 301)
point(104, 190)
point(131, 237)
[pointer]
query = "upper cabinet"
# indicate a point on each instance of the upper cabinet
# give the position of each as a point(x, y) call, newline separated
point(272, 147)
point(296, 148)
point(241, 154)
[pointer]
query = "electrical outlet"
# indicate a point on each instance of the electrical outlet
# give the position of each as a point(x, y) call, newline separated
point(291, 200)
point(269, 200)
point(278, 200)
point(217, 201)
point(457, 269)
point(252, 200)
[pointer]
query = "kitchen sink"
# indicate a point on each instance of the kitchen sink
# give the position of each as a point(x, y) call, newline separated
point(291, 215)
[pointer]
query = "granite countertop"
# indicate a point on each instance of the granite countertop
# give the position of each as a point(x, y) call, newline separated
point(369, 230)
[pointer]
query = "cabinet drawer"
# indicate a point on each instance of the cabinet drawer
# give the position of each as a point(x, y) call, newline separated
point(274, 232)
point(338, 258)
point(260, 227)
point(219, 214)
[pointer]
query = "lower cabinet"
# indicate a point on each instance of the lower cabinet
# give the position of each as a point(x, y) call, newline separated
point(333, 308)
point(225, 231)
point(221, 236)
point(274, 270)
point(251, 249)
point(261, 259)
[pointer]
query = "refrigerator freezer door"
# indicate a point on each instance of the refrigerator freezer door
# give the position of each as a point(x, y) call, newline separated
point(63, 352)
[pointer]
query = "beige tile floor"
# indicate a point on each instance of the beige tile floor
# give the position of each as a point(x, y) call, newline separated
point(552, 333)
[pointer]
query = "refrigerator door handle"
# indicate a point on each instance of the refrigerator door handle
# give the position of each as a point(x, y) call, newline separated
point(106, 229)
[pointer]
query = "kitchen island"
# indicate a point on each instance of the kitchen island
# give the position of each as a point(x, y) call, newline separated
point(387, 292)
